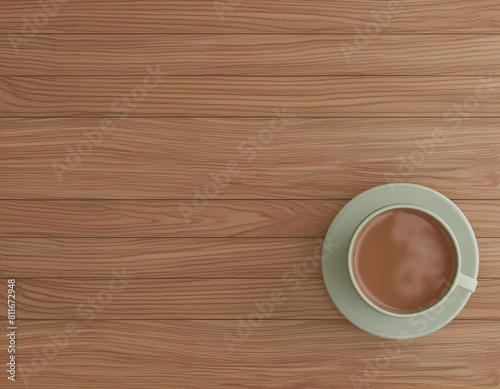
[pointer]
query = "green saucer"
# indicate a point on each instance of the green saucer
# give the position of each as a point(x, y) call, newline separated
point(334, 261)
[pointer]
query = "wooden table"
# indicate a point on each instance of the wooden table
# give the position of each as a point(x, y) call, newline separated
point(168, 170)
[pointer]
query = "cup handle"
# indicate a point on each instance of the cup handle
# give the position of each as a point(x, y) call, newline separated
point(467, 283)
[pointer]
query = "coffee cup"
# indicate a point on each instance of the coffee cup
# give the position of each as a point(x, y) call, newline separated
point(404, 260)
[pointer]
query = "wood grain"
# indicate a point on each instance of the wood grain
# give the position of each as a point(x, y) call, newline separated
point(252, 55)
point(307, 158)
point(311, 96)
point(120, 354)
point(293, 296)
point(121, 245)
point(488, 257)
point(158, 257)
point(224, 218)
point(159, 218)
point(155, 258)
point(309, 16)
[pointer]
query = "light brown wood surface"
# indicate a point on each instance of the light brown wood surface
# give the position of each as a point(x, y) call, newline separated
point(305, 96)
point(194, 16)
point(118, 117)
point(277, 354)
point(317, 152)
point(251, 55)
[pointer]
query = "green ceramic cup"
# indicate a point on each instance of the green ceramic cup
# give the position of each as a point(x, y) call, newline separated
point(459, 280)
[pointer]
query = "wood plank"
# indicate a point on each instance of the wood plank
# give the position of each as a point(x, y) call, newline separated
point(167, 218)
point(224, 218)
point(309, 16)
point(479, 214)
point(252, 55)
point(308, 158)
point(193, 354)
point(488, 257)
point(157, 258)
point(178, 257)
point(316, 96)
point(294, 296)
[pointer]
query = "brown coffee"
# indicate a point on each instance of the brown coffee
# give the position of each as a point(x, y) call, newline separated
point(404, 260)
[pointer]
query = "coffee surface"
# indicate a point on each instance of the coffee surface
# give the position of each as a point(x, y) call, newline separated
point(404, 260)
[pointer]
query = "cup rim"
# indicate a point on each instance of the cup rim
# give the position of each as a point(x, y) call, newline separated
point(355, 283)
